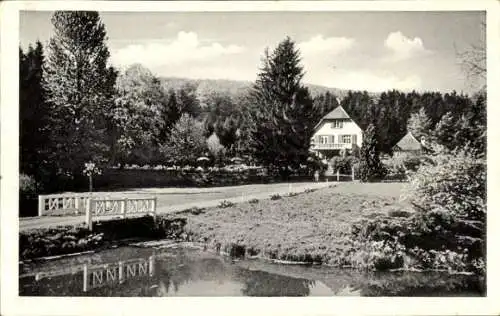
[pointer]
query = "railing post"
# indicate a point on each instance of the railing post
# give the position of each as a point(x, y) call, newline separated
point(338, 175)
point(88, 214)
point(41, 205)
point(123, 208)
point(151, 265)
point(85, 278)
point(153, 208)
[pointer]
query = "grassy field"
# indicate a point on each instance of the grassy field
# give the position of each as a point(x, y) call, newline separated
point(309, 227)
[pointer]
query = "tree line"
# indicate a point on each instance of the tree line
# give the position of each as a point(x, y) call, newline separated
point(75, 107)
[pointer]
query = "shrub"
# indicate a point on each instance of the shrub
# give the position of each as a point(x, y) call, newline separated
point(343, 164)
point(447, 228)
point(455, 183)
point(27, 186)
point(253, 201)
point(225, 204)
point(194, 210)
point(275, 197)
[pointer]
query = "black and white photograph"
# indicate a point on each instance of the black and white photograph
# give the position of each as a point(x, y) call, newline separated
point(181, 151)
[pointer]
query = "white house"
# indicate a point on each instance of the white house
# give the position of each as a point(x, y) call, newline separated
point(335, 132)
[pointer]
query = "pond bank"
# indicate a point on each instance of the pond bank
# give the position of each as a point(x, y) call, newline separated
point(181, 270)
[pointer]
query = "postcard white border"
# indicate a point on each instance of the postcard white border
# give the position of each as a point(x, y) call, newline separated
point(11, 304)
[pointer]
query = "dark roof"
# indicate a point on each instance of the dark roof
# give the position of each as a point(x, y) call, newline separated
point(337, 113)
point(408, 142)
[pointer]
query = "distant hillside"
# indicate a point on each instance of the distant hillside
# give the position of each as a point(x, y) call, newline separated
point(233, 87)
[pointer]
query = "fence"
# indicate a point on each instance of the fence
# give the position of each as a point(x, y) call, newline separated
point(337, 176)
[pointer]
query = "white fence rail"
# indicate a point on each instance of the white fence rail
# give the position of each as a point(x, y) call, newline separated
point(336, 175)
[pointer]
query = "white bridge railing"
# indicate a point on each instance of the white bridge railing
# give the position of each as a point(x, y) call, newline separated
point(60, 203)
point(98, 207)
point(95, 207)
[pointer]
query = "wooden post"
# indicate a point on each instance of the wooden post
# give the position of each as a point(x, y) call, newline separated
point(123, 207)
point(85, 278)
point(153, 208)
point(289, 188)
point(352, 173)
point(90, 183)
point(77, 200)
point(88, 215)
point(41, 205)
point(338, 175)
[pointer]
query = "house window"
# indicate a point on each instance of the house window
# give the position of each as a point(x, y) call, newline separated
point(323, 139)
point(337, 124)
point(346, 139)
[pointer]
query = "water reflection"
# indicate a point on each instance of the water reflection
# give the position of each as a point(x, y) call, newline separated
point(181, 272)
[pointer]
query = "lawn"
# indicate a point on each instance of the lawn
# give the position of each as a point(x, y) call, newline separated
point(310, 227)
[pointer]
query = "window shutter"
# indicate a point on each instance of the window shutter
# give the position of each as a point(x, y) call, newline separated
point(317, 139)
point(354, 139)
point(332, 139)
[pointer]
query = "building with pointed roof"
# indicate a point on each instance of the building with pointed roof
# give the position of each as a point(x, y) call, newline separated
point(409, 144)
point(336, 132)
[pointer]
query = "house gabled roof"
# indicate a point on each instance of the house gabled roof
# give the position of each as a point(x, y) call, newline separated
point(335, 114)
point(408, 142)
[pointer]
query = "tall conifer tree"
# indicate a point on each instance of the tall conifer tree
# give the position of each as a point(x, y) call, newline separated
point(33, 115)
point(281, 114)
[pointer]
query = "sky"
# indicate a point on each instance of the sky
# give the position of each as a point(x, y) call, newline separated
point(372, 51)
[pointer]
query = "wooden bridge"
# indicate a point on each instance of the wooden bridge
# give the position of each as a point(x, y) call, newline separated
point(95, 207)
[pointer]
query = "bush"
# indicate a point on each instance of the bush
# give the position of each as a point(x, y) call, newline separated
point(27, 186)
point(343, 164)
point(454, 183)
point(275, 197)
point(401, 166)
point(446, 229)
point(253, 201)
point(225, 204)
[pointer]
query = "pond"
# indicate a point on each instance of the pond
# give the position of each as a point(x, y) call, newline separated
point(181, 271)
